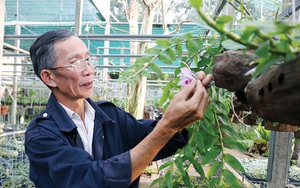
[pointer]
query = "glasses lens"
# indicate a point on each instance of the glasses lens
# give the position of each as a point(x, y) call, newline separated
point(79, 65)
point(93, 61)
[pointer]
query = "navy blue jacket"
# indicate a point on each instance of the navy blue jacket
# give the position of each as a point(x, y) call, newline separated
point(57, 156)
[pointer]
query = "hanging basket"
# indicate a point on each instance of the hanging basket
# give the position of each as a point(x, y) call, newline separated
point(4, 110)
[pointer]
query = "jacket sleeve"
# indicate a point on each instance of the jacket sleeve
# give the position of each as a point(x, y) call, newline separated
point(133, 131)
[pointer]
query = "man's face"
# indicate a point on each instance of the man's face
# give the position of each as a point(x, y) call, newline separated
point(72, 85)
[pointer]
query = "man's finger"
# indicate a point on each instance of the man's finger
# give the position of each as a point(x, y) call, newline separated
point(208, 78)
point(200, 75)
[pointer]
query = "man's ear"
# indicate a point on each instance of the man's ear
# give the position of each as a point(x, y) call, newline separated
point(48, 78)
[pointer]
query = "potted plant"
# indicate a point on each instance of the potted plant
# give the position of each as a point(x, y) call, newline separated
point(4, 110)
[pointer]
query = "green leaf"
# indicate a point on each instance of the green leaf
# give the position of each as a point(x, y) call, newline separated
point(127, 73)
point(191, 47)
point(155, 68)
point(158, 180)
point(199, 141)
point(130, 81)
point(263, 49)
point(208, 127)
point(228, 130)
point(247, 33)
point(135, 78)
point(136, 66)
point(165, 165)
point(198, 168)
point(188, 36)
point(185, 176)
point(143, 60)
point(196, 19)
point(233, 162)
point(232, 45)
point(211, 155)
point(178, 49)
point(210, 141)
point(223, 118)
point(204, 61)
point(196, 3)
point(233, 144)
point(171, 54)
point(178, 163)
point(264, 66)
point(165, 59)
point(212, 51)
point(168, 178)
point(231, 179)
point(163, 43)
point(200, 42)
point(153, 50)
point(186, 180)
point(145, 73)
point(175, 40)
point(213, 182)
point(213, 169)
point(222, 20)
point(188, 151)
point(166, 94)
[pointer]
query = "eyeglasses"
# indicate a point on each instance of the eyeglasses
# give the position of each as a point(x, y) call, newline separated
point(80, 64)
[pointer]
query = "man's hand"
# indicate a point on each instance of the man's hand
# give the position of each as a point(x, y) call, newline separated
point(205, 79)
point(188, 105)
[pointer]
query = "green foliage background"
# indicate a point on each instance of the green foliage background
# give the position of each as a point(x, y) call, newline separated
point(273, 42)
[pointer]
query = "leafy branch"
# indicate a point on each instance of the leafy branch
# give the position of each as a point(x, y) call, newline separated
point(247, 34)
point(164, 53)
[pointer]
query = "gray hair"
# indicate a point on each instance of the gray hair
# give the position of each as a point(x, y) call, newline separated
point(42, 52)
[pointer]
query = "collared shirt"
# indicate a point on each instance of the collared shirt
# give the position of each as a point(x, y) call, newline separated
point(86, 128)
point(57, 156)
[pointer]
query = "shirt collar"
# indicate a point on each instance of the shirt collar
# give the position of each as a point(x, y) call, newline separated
point(55, 110)
point(89, 110)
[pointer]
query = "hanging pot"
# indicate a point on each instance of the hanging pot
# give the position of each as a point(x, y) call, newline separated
point(4, 110)
point(30, 111)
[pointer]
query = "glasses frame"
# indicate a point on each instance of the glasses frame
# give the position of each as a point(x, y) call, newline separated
point(87, 61)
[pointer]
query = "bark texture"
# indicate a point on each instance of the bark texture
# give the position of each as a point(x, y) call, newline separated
point(229, 72)
point(274, 95)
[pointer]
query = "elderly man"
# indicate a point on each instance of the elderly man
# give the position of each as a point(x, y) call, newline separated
point(76, 142)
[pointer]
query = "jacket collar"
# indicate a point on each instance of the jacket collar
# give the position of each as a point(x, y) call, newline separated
point(64, 122)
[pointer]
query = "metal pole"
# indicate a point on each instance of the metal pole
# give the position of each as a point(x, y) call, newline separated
point(15, 79)
point(279, 158)
point(106, 51)
point(2, 15)
point(78, 17)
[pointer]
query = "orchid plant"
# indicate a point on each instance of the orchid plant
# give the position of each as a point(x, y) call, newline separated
point(206, 145)
point(186, 76)
point(215, 131)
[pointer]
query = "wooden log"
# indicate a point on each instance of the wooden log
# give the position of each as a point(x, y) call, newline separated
point(229, 71)
point(275, 95)
point(281, 127)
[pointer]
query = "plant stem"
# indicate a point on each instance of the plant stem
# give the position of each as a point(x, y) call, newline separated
point(222, 149)
point(234, 36)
